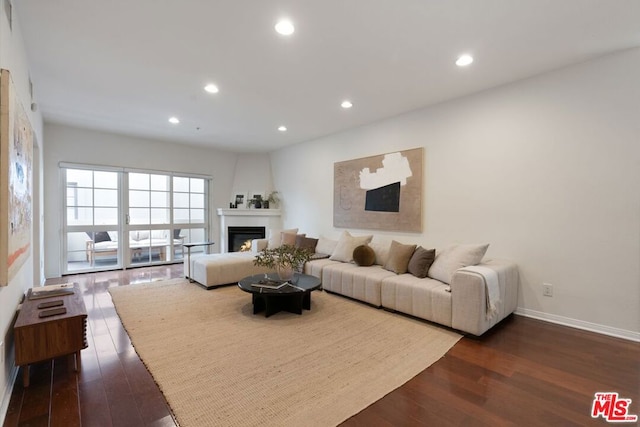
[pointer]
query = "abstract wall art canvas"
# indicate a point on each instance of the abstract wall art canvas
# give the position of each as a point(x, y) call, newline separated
point(382, 192)
point(16, 190)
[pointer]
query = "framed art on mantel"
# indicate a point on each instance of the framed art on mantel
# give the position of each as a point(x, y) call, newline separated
point(381, 192)
point(16, 190)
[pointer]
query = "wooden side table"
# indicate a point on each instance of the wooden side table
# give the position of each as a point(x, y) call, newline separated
point(43, 338)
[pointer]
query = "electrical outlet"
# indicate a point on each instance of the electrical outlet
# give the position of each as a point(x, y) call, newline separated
point(547, 289)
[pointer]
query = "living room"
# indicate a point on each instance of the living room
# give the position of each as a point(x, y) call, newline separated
point(546, 169)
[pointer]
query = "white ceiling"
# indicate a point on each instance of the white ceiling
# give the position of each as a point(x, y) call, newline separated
point(126, 66)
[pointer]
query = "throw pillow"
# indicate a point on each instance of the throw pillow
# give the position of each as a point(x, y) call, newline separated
point(101, 236)
point(288, 238)
point(364, 256)
point(455, 257)
point(399, 256)
point(381, 247)
point(420, 262)
point(346, 244)
point(299, 238)
point(326, 246)
point(139, 235)
point(307, 243)
point(275, 237)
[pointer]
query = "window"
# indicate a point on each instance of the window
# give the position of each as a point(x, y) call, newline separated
point(117, 217)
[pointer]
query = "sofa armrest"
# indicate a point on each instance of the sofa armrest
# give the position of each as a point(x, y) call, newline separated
point(258, 245)
point(469, 297)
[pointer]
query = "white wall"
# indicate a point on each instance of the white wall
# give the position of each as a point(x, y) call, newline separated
point(252, 174)
point(13, 57)
point(546, 170)
point(69, 144)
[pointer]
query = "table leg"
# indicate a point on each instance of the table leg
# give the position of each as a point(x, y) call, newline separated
point(189, 264)
point(78, 361)
point(25, 375)
point(306, 300)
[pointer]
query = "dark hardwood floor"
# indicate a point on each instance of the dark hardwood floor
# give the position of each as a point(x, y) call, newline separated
point(523, 372)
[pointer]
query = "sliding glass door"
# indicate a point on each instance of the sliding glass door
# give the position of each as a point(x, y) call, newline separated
point(92, 220)
point(123, 218)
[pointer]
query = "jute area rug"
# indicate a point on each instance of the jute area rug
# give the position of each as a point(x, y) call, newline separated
point(218, 364)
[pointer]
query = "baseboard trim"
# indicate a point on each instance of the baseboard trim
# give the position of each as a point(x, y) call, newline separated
point(579, 324)
point(6, 397)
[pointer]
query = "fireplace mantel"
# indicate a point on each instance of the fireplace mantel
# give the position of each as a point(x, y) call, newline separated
point(268, 218)
point(248, 212)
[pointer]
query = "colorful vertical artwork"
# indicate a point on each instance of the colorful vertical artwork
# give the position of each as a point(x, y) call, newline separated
point(16, 182)
point(381, 192)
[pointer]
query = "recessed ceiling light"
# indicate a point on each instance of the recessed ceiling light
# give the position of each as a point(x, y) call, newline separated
point(174, 120)
point(211, 88)
point(464, 60)
point(285, 27)
point(346, 104)
point(282, 128)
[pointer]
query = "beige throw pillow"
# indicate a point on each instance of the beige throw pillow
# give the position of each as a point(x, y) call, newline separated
point(288, 238)
point(275, 237)
point(399, 256)
point(346, 244)
point(455, 257)
point(326, 246)
point(380, 246)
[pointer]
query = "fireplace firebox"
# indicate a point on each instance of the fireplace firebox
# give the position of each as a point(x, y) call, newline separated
point(237, 236)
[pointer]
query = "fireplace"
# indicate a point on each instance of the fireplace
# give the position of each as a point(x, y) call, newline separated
point(238, 235)
point(265, 219)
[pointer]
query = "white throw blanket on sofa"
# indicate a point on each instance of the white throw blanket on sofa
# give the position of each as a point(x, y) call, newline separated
point(492, 287)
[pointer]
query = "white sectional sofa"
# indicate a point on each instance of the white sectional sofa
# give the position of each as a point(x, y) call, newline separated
point(457, 288)
point(213, 270)
point(467, 294)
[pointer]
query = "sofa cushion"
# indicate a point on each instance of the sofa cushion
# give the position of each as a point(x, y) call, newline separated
point(399, 256)
point(380, 246)
point(424, 298)
point(361, 283)
point(139, 235)
point(363, 255)
point(275, 237)
point(455, 257)
point(346, 244)
point(326, 246)
point(420, 261)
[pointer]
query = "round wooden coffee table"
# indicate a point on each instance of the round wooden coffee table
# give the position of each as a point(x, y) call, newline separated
point(272, 295)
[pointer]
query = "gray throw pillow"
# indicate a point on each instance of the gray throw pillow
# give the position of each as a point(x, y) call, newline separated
point(420, 262)
point(307, 243)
